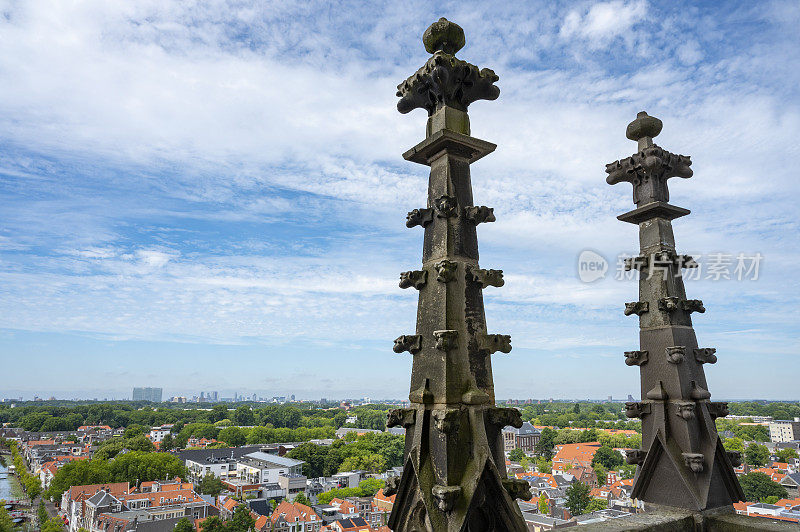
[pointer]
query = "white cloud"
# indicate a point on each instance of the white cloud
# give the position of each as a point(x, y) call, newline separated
point(604, 21)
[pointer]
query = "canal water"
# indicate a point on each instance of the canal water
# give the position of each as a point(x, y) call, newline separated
point(5, 482)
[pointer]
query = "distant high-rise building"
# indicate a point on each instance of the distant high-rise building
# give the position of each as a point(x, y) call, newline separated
point(610, 398)
point(213, 396)
point(147, 394)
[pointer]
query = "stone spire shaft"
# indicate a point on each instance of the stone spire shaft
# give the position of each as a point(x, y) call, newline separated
point(682, 462)
point(454, 476)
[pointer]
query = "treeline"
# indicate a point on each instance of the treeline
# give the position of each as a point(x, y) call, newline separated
point(745, 432)
point(372, 452)
point(579, 415)
point(133, 467)
point(64, 416)
point(776, 409)
point(237, 436)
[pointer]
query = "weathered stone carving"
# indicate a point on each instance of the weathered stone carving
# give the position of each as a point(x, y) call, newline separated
point(445, 80)
point(503, 417)
point(446, 340)
point(401, 416)
point(699, 479)
point(694, 461)
point(685, 410)
point(705, 355)
point(717, 409)
point(657, 392)
point(635, 456)
point(485, 277)
point(445, 206)
point(445, 496)
point(636, 307)
point(636, 409)
point(635, 358)
point(493, 343)
point(518, 488)
point(676, 354)
point(446, 271)
point(446, 420)
point(693, 305)
point(673, 303)
point(698, 393)
point(649, 169)
point(479, 215)
point(408, 342)
point(421, 217)
point(669, 304)
point(415, 278)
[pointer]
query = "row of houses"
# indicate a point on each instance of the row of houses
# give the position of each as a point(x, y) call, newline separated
point(118, 507)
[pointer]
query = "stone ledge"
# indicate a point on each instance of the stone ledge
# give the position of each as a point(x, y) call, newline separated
point(664, 520)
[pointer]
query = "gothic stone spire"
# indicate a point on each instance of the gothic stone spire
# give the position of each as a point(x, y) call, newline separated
point(454, 477)
point(682, 462)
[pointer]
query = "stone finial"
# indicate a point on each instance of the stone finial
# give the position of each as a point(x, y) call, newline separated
point(444, 36)
point(645, 127)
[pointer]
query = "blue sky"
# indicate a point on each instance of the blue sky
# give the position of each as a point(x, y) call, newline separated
point(210, 196)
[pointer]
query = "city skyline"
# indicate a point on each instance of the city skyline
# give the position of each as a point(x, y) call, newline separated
point(215, 195)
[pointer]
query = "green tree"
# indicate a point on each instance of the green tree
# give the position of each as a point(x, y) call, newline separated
point(325, 497)
point(596, 504)
point(313, 457)
point(371, 462)
point(212, 524)
point(734, 444)
point(601, 472)
point(167, 443)
point(244, 416)
point(241, 521)
point(578, 498)
point(233, 436)
point(33, 487)
point(576, 409)
point(41, 512)
point(544, 466)
point(516, 455)
point(544, 447)
point(53, 525)
point(131, 431)
point(301, 498)
point(210, 485)
point(772, 499)
point(184, 525)
point(370, 486)
point(78, 473)
point(544, 507)
point(758, 486)
point(218, 412)
point(787, 455)
point(607, 457)
point(756, 455)
point(143, 467)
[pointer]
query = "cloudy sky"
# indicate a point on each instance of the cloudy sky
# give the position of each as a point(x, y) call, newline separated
point(210, 195)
